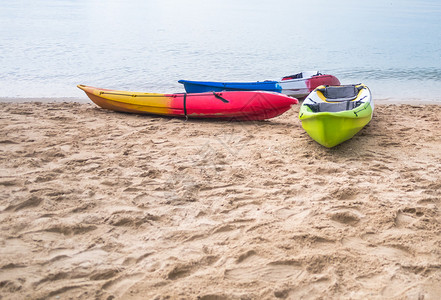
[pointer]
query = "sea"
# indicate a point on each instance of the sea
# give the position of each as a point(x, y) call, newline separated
point(47, 47)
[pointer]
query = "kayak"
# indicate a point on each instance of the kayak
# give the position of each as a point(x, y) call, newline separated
point(297, 85)
point(334, 114)
point(213, 86)
point(301, 84)
point(240, 105)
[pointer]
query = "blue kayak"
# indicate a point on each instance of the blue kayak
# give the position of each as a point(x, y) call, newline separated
point(211, 86)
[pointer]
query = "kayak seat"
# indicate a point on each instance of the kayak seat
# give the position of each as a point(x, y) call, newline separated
point(295, 76)
point(340, 93)
point(334, 107)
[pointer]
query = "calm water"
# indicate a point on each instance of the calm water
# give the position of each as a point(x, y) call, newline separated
point(47, 47)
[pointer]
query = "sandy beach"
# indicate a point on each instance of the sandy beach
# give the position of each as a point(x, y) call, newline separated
point(102, 205)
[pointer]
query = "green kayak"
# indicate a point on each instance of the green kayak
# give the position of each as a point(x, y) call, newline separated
point(334, 114)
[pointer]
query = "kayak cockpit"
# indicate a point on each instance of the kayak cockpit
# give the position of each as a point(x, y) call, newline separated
point(340, 93)
point(301, 75)
point(337, 98)
point(334, 107)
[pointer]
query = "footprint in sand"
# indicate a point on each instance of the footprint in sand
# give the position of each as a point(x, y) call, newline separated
point(213, 297)
point(345, 217)
point(182, 270)
point(345, 193)
point(121, 284)
point(416, 217)
point(250, 267)
point(32, 201)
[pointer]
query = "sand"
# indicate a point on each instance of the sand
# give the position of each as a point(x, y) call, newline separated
point(102, 205)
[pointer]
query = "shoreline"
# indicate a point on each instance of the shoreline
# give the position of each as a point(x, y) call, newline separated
point(84, 100)
point(109, 205)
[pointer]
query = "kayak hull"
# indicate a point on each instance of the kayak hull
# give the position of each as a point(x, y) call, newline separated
point(212, 86)
point(225, 105)
point(330, 130)
point(333, 128)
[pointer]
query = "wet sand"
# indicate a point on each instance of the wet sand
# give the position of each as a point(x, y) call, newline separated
point(97, 204)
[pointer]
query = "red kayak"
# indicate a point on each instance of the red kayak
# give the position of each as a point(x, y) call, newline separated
point(241, 105)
